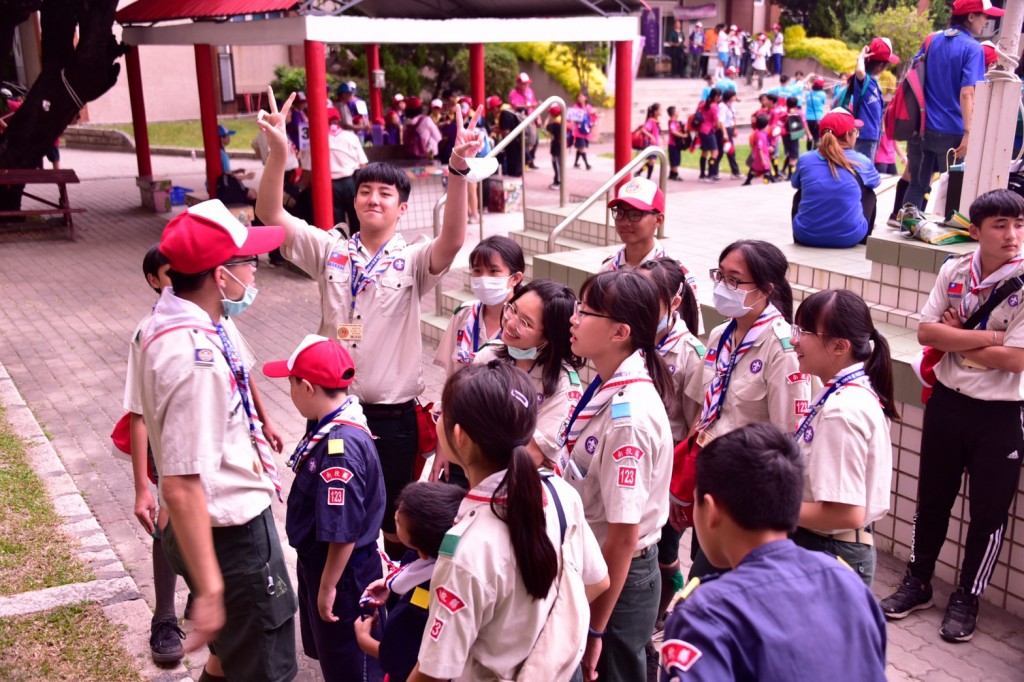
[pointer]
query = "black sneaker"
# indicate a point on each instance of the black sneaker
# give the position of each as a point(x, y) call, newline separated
point(961, 617)
point(912, 595)
point(165, 641)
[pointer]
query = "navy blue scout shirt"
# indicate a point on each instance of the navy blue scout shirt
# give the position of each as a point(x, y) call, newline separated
point(338, 493)
point(868, 108)
point(953, 62)
point(783, 614)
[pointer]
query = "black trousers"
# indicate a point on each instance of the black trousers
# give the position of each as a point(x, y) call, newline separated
point(985, 438)
point(396, 430)
point(344, 190)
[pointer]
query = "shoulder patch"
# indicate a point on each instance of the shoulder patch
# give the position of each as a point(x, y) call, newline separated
point(420, 598)
point(203, 356)
point(449, 600)
point(449, 544)
point(678, 656)
point(463, 306)
point(697, 345)
point(574, 378)
point(621, 410)
point(683, 593)
point(336, 474)
point(781, 329)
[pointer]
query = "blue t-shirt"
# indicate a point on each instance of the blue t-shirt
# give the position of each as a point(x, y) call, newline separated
point(830, 213)
point(784, 613)
point(225, 162)
point(868, 107)
point(954, 62)
point(795, 89)
point(704, 93)
point(815, 108)
point(725, 84)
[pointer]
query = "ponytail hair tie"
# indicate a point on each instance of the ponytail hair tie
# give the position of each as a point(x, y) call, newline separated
point(521, 443)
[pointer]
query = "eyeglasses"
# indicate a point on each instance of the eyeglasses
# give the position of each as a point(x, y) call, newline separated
point(730, 282)
point(796, 332)
point(579, 313)
point(254, 261)
point(510, 314)
point(630, 214)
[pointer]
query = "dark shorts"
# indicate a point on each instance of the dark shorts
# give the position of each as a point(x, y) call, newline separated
point(53, 154)
point(395, 429)
point(709, 142)
point(257, 641)
point(581, 143)
point(886, 168)
point(791, 147)
point(675, 156)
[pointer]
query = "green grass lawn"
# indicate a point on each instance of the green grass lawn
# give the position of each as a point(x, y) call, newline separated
point(691, 160)
point(190, 134)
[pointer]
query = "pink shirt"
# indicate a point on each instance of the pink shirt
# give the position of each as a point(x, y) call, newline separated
point(520, 100)
point(710, 122)
point(651, 126)
point(760, 150)
point(886, 152)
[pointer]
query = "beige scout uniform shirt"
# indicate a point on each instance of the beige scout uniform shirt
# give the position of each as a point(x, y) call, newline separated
point(766, 385)
point(983, 384)
point(194, 413)
point(848, 452)
point(628, 460)
point(447, 355)
point(685, 360)
point(482, 623)
point(346, 152)
point(387, 313)
point(553, 411)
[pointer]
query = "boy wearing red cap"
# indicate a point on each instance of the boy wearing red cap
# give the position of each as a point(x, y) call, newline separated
point(217, 472)
point(866, 100)
point(335, 506)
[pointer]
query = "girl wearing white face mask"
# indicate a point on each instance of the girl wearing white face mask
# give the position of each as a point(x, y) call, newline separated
point(497, 266)
point(751, 372)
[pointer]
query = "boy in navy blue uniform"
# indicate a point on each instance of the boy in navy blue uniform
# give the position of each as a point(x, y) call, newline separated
point(334, 508)
point(782, 613)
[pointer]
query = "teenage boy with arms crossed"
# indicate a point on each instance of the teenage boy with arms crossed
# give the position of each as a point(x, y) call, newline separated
point(973, 419)
point(370, 287)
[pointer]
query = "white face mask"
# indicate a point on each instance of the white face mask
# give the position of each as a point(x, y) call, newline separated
point(490, 290)
point(730, 302)
point(523, 353)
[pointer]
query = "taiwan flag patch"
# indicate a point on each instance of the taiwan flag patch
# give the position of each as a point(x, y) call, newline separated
point(955, 289)
point(338, 259)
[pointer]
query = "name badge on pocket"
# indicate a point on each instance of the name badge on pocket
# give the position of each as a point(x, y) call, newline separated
point(350, 332)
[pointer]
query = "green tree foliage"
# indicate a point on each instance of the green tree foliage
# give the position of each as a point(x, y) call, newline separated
point(500, 69)
point(905, 29)
point(289, 79)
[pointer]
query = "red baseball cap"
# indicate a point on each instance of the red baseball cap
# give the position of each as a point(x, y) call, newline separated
point(493, 102)
point(319, 360)
point(207, 235)
point(991, 56)
point(839, 121)
point(881, 51)
point(555, 109)
point(732, 70)
point(524, 77)
point(333, 114)
point(640, 193)
point(972, 6)
point(413, 102)
point(819, 81)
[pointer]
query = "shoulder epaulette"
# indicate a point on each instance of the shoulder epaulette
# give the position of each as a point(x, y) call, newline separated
point(464, 304)
point(685, 592)
point(697, 345)
point(781, 329)
point(574, 378)
point(448, 544)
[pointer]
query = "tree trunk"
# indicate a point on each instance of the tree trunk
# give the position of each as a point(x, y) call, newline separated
point(71, 76)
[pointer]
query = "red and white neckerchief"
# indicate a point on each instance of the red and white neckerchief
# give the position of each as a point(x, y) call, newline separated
point(467, 339)
point(725, 362)
point(677, 332)
point(975, 285)
point(363, 273)
point(632, 370)
point(349, 414)
point(619, 261)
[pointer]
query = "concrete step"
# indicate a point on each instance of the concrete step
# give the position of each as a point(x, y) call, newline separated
point(535, 242)
point(590, 228)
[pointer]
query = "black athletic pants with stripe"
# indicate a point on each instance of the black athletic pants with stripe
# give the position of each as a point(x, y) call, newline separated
point(985, 438)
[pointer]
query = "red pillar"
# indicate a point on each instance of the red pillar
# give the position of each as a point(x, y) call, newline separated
point(138, 103)
point(208, 115)
point(372, 64)
point(316, 92)
point(623, 101)
point(476, 73)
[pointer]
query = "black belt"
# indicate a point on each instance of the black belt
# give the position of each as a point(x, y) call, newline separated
point(385, 410)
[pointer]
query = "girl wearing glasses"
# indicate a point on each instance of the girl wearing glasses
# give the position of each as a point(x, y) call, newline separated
point(535, 338)
point(617, 454)
point(844, 437)
point(751, 372)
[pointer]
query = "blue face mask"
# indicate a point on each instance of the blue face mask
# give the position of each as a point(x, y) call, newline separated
point(235, 308)
point(663, 323)
point(523, 353)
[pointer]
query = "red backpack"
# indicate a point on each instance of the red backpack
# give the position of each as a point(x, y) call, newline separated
point(905, 114)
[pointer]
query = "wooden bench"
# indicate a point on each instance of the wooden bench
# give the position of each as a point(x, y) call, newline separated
point(61, 177)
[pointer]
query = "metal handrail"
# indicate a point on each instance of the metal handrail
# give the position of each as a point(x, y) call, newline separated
point(623, 172)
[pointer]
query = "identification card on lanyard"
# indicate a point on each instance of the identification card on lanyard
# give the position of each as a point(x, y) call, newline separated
point(813, 412)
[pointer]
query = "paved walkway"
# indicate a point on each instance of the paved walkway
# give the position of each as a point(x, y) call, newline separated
point(67, 310)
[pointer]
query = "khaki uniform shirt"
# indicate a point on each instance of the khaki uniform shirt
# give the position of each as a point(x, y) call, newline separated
point(194, 413)
point(685, 361)
point(848, 452)
point(625, 454)
point(482, 623)
point(766, 385)
point(386, 314)
point(447, 355)
point(983, 384)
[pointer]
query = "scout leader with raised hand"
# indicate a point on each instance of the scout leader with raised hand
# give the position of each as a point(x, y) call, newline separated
point(370, 287)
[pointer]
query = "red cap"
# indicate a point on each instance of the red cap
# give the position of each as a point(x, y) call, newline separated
point(398, 98)
point(555, 110)
point(776, 27)
point(207, 235)
point(493, 102)
point(991, 56)
point(413, 102)
point(319, 360)
point(640, 193)
point(524, 77)
point(466, 100)
point(972, 6)
point(819, 81)
point(839, 121)
point(333, 114)
point(881, 51)
point(732, 71)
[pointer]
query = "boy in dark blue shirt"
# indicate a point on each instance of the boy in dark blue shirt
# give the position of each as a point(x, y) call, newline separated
point(335, 507)
point(867, 95)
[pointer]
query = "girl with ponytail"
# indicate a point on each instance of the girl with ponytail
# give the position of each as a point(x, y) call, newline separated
point(618, 455)
point(844, 437)
point(494, 585)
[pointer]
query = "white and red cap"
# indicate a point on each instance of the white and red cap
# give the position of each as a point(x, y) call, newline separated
point(839, 121)
point(524, 77)
point(436, 104)
point(881, 51)
point(319, 360)
point(991, 56)
point(640, 193)
point(398, 98)
point(973, 6)
point(300, 96)
point(207, 235)
point(732, 71)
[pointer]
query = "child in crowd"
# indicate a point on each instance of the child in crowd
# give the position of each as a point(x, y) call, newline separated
point(760, 151)
point(424, 513)
point(887, 153)
point(796, 130)
point(558, 141)
point(335, 506)
point(678, 140)
point(727, 132)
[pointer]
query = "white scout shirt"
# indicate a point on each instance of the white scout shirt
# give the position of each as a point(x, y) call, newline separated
point(382, 331)
point(482, 623)
point(553, 411)
point(622, 459)
point(455, 349)
point(194, 413)
point(953, 282)
point(683, 353)
point(767, 384)
point(847, 450)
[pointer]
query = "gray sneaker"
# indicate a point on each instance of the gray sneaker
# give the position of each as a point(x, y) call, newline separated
point(911, 596)
point(961, 617)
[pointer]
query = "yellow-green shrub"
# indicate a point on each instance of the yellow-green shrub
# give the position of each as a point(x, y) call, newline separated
point(831, 53)
point(556, 60)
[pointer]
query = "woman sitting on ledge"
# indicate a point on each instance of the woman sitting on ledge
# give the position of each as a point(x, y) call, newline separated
point(834, 206)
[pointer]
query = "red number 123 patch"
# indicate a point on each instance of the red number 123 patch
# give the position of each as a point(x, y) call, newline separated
point(336, 497)
point(627, 477)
